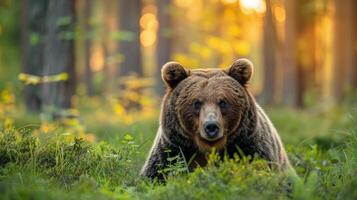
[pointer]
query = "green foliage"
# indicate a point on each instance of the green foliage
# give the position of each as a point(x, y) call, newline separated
point(34, 38)
point(56, 166)
point(48, 163)
point(64, 160)
point(123, 36)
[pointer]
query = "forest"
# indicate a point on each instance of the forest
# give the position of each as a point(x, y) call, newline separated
point(81, 89)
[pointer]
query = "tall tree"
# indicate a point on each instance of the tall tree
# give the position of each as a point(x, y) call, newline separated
point(290, 70)
point(33, 35)
point(345, 54)
point(164, 45)
point(269, 56)
point(87, 47)
point(306, 62)
point(109, 13)
point(349, 40)
point(352, 70)
point(129, 46)
point(339, 64)
point(59, 55)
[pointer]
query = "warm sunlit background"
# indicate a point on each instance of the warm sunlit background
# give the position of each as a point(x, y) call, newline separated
point(53, 55)
point(80, 94)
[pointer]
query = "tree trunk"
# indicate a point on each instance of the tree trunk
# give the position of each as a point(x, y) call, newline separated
point(345, 54)
point(33, 34)
point(59, 55)
point(290, 77)
point(129, 47)
point(87, 47)
point(350, 42)
point(353, 67)
point(269, 57)
point(106, 69)
point(109, 47)
point(339, 63)
point(164, 45)
point(306, 49)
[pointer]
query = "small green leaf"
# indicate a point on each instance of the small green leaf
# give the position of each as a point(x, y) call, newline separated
point(128, 137)
point(124, 36)
point(63, 21)
point(34, 39)
point(68, 35)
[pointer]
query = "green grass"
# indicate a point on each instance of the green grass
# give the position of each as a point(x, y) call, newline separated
point(321, 145)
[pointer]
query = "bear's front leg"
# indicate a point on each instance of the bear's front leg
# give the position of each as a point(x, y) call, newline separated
point(152, 166)
point(156, 160)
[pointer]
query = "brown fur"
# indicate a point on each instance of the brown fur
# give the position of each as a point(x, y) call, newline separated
point(191, 96)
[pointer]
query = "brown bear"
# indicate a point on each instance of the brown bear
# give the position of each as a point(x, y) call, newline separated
point(211, 108)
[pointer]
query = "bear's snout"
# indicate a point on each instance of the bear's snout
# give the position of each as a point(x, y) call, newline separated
point(211, 129)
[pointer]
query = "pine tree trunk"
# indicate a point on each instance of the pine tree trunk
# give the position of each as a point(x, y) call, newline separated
point(269, 57)
point(339, 63)
point(59, 55)
point(129, 16)
point(353, 72)
point(87, 48)
point(306, 49)
point(345, 54)
point(350, 45)
point(290, 77)
point(33, 35)
point(109, 12)
point(164, 45)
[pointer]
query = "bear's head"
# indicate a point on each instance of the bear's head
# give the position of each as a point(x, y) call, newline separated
point(208, 103)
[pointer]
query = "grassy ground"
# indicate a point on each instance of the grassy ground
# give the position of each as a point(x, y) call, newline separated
point(49, 162)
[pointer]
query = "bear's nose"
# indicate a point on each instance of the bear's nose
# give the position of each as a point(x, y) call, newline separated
point(211, 129)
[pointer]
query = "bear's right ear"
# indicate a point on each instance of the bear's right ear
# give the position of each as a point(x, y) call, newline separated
point(241, 70)
point(173, 73)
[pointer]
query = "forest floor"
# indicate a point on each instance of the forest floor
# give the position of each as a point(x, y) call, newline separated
point(47, 161)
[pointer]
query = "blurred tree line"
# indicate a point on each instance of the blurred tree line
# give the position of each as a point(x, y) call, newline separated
point(304, 51)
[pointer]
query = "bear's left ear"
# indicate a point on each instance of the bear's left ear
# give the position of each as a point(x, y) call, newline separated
point(173, 73)
point(241, 70)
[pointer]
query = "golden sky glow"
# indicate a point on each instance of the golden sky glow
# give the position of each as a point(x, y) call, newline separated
point(249, 6)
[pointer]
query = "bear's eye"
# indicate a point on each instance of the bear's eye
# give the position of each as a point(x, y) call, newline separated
point(222, 104)
point(197, 105)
